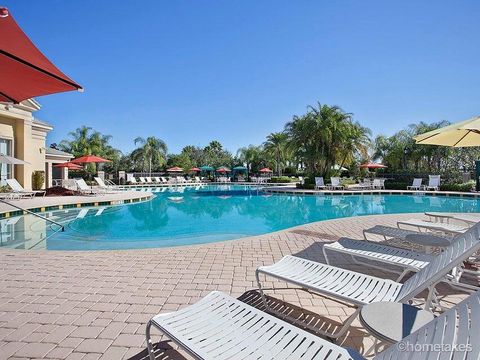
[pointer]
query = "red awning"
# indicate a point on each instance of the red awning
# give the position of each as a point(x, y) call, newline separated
point(195, 169)
point(175, 169)
point(89, 159)
point(373, 166)
point(69, 166)
point(24, 71)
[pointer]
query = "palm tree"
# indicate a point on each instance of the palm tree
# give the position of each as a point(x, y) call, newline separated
point(324, 136)
point(276, 145)
point(250, 156)
point(152, 151)
point(86, 141)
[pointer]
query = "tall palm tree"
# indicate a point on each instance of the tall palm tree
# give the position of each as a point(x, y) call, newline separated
point(152, 151)
point(276, 145)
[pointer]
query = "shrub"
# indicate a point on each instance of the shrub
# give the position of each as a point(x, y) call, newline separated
point(396, 185)
point(281, 179)
point(466, 187)
point(38, 180)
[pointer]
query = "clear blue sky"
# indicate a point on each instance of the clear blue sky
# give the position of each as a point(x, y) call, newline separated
point(192, 71)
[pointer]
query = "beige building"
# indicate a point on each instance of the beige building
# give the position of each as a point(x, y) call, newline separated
point(22, 136)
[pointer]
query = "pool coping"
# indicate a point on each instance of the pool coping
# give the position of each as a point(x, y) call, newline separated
point(294, 191)
point(75, 205)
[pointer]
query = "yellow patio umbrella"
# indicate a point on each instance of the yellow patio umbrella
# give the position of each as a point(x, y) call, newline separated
point(462, 134)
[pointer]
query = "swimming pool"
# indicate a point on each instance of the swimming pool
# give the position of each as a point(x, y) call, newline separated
point(193, 215)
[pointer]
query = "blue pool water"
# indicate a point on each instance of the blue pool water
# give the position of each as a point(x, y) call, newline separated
point(183, 216)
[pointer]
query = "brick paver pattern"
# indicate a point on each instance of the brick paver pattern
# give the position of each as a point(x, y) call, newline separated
point(95, 304)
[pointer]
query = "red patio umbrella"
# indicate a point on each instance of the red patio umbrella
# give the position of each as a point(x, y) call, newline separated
point(223, 169)
point(69, 165)
point(24, 71)
point(194, 169)
point(90, 159)
point(265, 170)
point(175, 169)
point(372, 166)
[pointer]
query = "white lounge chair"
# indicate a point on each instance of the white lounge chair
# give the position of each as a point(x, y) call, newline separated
point(149, 180)
point(434, 226)
point(19, 190)
point(378, 184)
point(388, 232)
point(360, 289)
point(197, 179)
point(416, 184)
point(104, 186)
point(133, 181)
point(469, 218)
point(335, 183)
point(433, 182)
point(142, 180)
point(221, 327)
point(319, 183)
point(410, 261)
point(84, 189)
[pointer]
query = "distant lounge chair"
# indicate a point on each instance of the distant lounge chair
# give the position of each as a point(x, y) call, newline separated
point(133, 181)
point(84, 189)
point(149, 180)
point(469, 218)
point(435, 226)
point(378, 184)
point(335, 183)
point(360, 289)
point(197, 179)
point(142, 180)
point(19, 190)
point(433, 182)
point(416, 185)
point(221, 327)
point(102, 184)
point(319, 183)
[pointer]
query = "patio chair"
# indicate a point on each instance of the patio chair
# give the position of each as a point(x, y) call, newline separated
point(360, 289)
point(335, 183)
point(19, 190)
point(416, 184)
point(221, 327)
point(149, 180)
point(84, 189)
point(142, 180)
point(133, 181)
point(433, 183)
point(319, 183)
point(434, 226)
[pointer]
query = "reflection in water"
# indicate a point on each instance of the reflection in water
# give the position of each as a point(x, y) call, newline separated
point(181, 215)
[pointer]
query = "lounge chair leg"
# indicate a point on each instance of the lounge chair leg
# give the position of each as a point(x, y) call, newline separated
point(151, 353)
point(346, 324)
point(402, 275)
point(262, 295)
point(325, 255)
point(430, 298)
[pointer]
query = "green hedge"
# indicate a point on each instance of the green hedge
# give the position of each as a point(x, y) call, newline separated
point(467, 187)
point(306, 186)
point(281, 179)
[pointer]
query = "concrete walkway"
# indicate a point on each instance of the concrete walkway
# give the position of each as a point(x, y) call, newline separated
point(95, 305)
point(114, 197)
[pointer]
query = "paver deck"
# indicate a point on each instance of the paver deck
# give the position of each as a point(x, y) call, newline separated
point(95, 305)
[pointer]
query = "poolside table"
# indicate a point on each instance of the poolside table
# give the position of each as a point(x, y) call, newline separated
point(391, 322)
point(429, 241)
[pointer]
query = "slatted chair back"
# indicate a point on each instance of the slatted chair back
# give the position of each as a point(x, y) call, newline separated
point(417, 182)
point(433, 180)
point(100, 182)
point(319, 182)
point(454, 255)
point(142, 179)
point(15, 185)
point(453, 336)
point(335, 181)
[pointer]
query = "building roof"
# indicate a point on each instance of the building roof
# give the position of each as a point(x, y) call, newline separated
point(55, 152)
point(40, 122)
